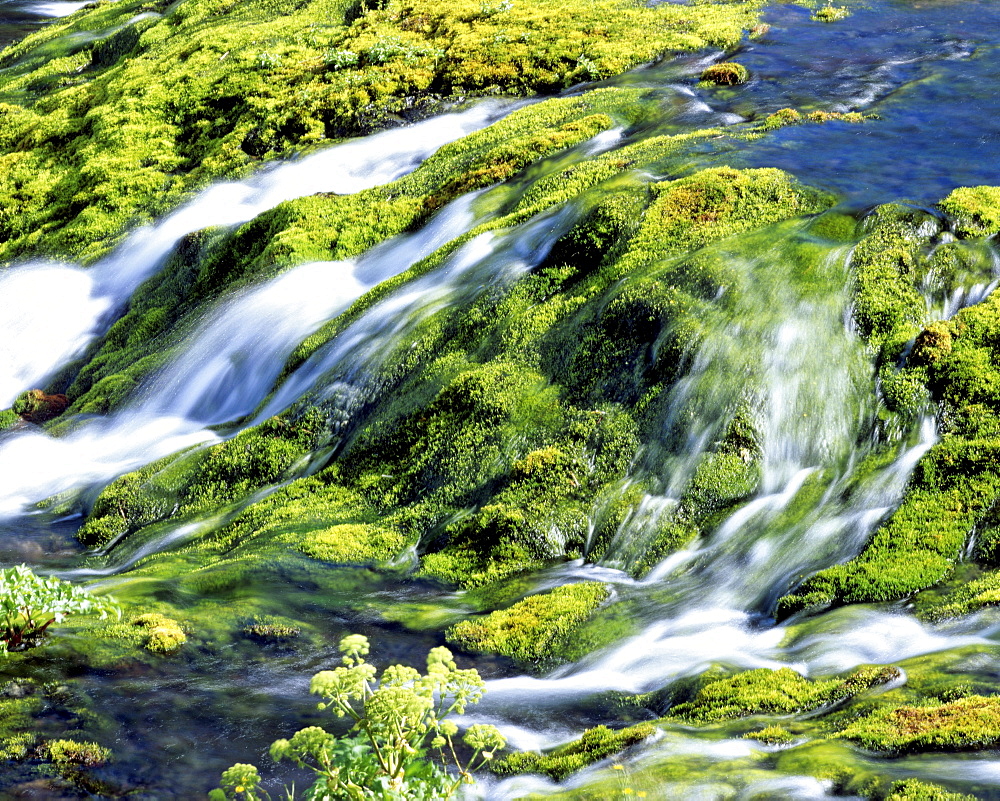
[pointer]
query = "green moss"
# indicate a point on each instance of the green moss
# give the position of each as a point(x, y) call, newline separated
point(728, 73)
point(887, 302)
point(594, 745)
point(771, 735)
point(533, 629)
point(269, 629)
point(830, 13)
point(8, 419)
point(774, 692)
point(353, 543)
point(968, 723)
point(914, 790)
point(153, 631)
point(968, 598)
point(110, 119)
point(70, 753)
point(202, 479)
point(974, 210)
point(954, 488)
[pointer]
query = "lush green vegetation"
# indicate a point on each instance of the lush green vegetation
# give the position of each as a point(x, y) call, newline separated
point(398, 718)
point(533, 629)
point(29, 604)
point(523, 424)
point(968, 723)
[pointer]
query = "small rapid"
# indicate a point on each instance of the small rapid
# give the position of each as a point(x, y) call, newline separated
point(52, 312)
point(221, 372)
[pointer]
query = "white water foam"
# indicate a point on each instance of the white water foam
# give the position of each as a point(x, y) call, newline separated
point(46, 328)
point(222, 372)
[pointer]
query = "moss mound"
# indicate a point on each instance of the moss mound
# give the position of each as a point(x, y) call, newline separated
point(967, 724)
point(595, 744)
point(774, 692)
point(534, 629)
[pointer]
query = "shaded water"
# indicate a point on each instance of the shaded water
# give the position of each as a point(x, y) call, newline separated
point(782, 350)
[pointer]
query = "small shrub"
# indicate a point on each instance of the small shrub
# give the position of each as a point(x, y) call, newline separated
point(29, 604)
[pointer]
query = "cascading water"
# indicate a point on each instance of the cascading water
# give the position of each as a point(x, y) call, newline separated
point(221, 373)
point(773, 350)
point(67, 306)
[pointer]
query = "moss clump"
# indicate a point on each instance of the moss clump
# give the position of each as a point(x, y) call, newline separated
point(968, 598)
point(974, 210)
point(353, 543)
point(915, 790)
point(831, 13)
point(771, 735)
point(70, 753)
point(728, 73)
point(267, 629)
point(162, 635)
point(534, 629)
point(9, 419)
point(594, 745)
point(774, 692)
point(970, 723)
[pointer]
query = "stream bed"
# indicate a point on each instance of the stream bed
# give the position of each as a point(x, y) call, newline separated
point(927, 73)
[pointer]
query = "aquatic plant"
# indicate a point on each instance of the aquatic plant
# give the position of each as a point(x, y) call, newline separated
point(29, 604)
point(397, 718)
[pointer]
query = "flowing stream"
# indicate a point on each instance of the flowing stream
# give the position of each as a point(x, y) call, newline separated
point(778, 344)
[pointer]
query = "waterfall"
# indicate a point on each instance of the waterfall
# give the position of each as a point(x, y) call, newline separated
point(221, 372)
point(51, 312)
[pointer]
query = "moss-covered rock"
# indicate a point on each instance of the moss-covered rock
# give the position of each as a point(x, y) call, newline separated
point(532, 630)
point(728, 73)
point(774, 692)
point(975, 210)
point(353, 543)
point(966, 724)
point(594, 745)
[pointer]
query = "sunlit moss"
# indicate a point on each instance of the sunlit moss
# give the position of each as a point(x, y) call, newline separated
point(975, 210)
point(531, 630)
point(774, 692)
point(968, 723)
point(594, 745)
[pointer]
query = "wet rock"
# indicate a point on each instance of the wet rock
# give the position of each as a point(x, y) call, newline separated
point(35, 406)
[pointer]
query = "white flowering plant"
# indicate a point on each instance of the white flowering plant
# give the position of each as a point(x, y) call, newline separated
point(30, 603)
point(399, 720)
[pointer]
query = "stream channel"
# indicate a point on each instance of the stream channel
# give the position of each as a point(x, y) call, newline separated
point(928, 69)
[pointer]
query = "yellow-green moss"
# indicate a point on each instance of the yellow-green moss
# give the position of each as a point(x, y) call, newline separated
point(774, 692)
point(831, 13)
point(968, 723)
point(162, 635)
point(353, 542)
point(70, 753)
point(771, 735)
point(111, 116)
point(915, 790)
point(728, 73)
point(531, 630)
point(975, 210)
point(595, 744)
